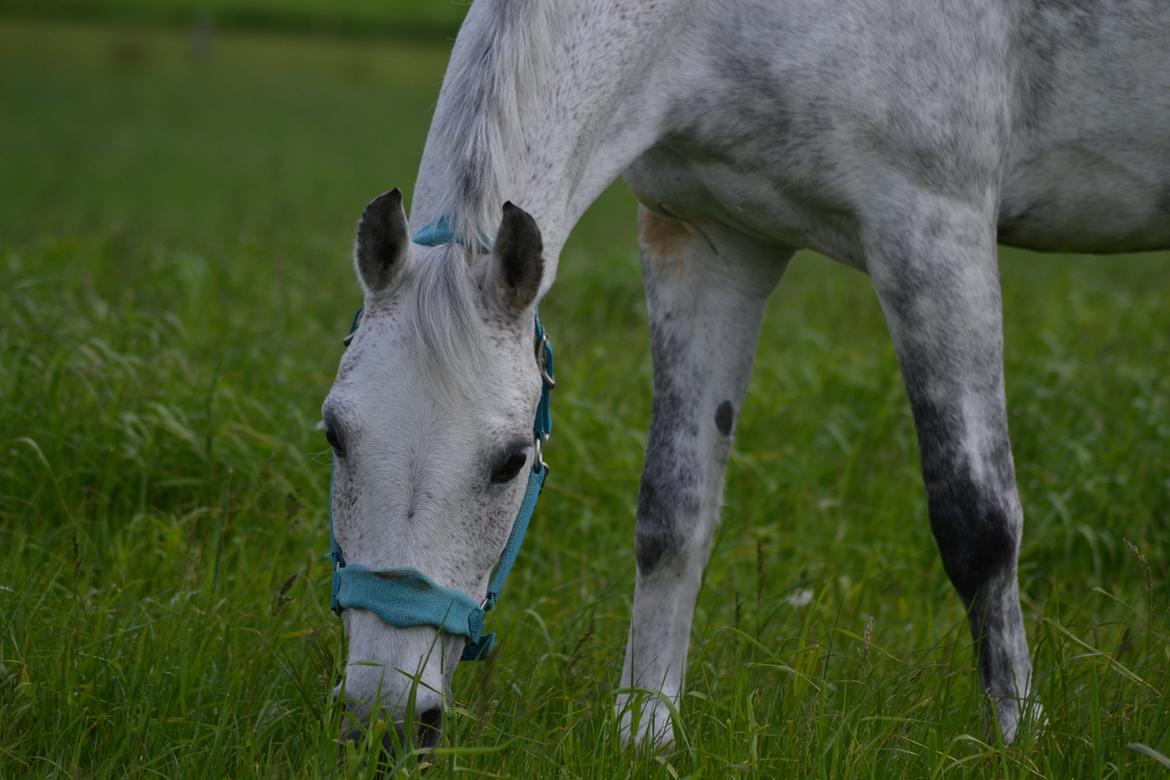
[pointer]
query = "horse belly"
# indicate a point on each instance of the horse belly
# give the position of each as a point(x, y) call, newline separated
point(1060, 203)
point(1088, 167)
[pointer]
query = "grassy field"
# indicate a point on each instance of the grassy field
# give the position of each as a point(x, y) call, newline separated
point(433, 19)
point(175, 227)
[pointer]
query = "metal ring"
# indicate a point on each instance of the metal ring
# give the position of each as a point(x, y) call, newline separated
point(542, 361)
point(538, 457)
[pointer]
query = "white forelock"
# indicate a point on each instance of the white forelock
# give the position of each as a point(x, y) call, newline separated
point(448, 320)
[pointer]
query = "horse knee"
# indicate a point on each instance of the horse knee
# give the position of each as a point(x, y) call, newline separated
point(977, 528)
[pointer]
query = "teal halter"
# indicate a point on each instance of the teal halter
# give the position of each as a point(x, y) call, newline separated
point(407, 597)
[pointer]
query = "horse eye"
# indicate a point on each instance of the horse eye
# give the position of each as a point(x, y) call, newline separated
point(507, 469)
point(334, 440)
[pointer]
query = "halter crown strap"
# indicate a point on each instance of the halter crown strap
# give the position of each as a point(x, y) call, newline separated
point(406, 597)
point(434, 233)
point(439, 232)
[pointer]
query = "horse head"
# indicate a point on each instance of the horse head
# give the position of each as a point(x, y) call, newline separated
point(431, 423)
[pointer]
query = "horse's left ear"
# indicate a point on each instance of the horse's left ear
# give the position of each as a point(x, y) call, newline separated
point(517, 260)
point(382, 244)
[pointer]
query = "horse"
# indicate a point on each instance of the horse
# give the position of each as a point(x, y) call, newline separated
point(904, 138)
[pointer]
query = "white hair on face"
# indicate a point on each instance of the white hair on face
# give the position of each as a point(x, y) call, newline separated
point(447, 319)
point(495, 69)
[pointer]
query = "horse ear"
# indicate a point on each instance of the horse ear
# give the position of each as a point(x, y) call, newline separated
point(382, 241)
point(518, 263)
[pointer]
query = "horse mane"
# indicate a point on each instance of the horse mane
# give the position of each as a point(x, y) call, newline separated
point(479, 127)
point(483, 122)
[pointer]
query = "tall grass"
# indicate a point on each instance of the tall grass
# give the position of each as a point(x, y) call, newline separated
point(174, 284)
point(436, 20)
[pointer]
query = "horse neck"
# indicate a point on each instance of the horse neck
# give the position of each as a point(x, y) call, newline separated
point(544, 103)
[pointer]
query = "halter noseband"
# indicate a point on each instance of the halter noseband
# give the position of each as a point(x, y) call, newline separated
point(406, 597)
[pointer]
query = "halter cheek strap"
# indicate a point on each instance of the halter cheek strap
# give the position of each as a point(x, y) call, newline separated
point(407, 597)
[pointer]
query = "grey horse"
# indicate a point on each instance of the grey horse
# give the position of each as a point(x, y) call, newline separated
point(901, 137)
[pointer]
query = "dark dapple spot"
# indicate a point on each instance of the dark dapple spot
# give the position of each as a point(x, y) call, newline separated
point(973, 521)
point(667, 504)
point(668, 499)
point(655, 535)
point(725, 417)
point(974, 532)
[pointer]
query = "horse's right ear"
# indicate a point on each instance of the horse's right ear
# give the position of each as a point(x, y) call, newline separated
point(383, 242)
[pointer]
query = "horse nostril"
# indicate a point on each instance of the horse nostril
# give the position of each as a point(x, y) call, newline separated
point(430, 727)
point(351, 731)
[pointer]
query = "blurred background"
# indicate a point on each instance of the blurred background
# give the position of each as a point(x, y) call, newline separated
point(371, 19)
point(179, 184)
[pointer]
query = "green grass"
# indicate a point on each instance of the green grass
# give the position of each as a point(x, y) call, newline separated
point(174, 285)
point(435, 19)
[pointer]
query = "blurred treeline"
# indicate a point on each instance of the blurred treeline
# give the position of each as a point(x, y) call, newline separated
point(438, 19)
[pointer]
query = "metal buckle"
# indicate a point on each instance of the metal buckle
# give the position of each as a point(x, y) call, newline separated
point(542, 361)
point(538, 457)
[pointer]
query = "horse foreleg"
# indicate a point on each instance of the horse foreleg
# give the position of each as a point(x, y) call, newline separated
point(705, 295)
point(935, 270)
